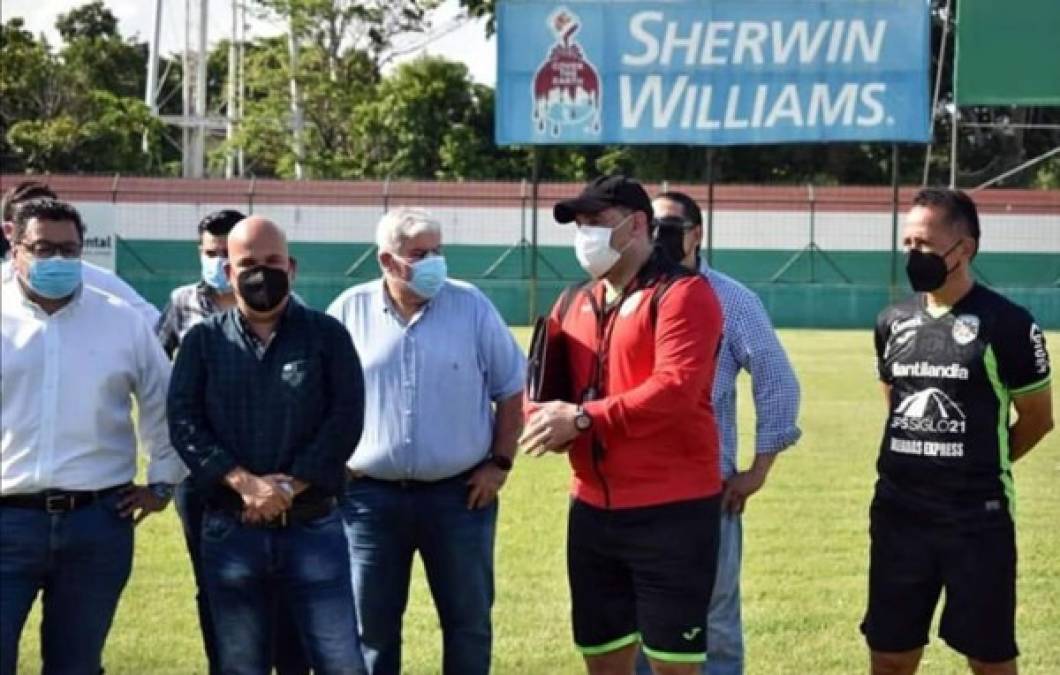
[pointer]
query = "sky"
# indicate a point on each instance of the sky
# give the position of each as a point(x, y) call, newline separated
point(467, 44)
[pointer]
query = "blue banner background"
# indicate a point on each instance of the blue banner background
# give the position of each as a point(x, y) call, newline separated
point(526, 37)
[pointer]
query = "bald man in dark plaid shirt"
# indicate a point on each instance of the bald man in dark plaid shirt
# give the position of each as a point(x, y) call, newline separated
point(266, 405)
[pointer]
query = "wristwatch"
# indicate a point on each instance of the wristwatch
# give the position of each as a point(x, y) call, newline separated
point(501, 462)
point(582, 421)
point(163, 491)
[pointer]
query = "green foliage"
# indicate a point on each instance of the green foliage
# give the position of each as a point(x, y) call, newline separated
point(89, 21)
point(78, 109)
point(106, 136)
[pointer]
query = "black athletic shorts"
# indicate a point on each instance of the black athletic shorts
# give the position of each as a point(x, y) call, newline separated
point(911, 561)
point(643, 574)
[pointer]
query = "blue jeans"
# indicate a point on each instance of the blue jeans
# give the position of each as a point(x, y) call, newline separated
point(250, 570)
point(80, 562)
point(724, 627)
point(385, 524)
point(289, 656)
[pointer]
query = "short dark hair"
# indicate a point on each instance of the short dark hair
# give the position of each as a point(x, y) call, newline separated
point(220, 223)
point(958, 208)
point(45, 209)
point(689, 205)
point(23, 191)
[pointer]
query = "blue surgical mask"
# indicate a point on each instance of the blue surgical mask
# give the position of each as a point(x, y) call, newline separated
point(213, 273)
point(54, 277)
point(428, 276)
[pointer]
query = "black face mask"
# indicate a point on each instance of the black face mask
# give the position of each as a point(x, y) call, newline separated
point(927, 271)
point(263, 288)
point(670, 237)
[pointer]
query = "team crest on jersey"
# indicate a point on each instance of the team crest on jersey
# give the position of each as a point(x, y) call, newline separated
point(965, 328)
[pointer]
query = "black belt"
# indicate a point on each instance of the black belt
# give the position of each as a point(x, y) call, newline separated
point(299, 513)
point(59, 501)
point(410, 483)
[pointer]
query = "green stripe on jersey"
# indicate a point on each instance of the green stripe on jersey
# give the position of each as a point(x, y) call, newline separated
point(1004, 400)
point(1033, 387)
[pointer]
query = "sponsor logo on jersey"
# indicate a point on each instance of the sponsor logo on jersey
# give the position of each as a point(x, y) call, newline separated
point(965, 328)
point(908, 324)
point(929, 410)
point(927, 448)
point(954, 371)
point(901, 332)
point(1041, 357)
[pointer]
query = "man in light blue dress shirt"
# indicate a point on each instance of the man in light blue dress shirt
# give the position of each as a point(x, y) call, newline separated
point(443, 389)
point(748, 343)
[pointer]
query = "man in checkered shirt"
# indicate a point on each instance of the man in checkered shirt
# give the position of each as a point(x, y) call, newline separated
point(748, 343)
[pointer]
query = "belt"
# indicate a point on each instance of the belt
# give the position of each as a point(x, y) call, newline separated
point(297, 514)
point(59, 501)
point(409, 483)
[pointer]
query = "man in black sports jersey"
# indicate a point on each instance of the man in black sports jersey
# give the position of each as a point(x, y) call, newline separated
point(954, 359)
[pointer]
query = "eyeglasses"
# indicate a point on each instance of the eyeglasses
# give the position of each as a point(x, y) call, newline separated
point(674, 222)
point(48, 249)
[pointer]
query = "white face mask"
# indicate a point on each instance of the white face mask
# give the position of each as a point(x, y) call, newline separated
point(592, 246)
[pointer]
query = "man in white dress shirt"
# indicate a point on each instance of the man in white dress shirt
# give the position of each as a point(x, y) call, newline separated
point(71, 359)
point(93, 275)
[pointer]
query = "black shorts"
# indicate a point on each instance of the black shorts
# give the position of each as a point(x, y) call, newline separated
point(643, 574)
point(911, 562)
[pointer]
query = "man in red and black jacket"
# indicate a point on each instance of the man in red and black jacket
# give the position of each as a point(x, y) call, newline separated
point(641, 340)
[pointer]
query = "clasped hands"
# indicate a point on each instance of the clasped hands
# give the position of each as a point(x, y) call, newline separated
point(264, 497)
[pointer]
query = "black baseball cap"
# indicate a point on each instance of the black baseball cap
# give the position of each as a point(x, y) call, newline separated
point(601, 193)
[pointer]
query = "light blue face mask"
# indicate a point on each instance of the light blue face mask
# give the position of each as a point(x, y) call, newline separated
point(213, 273)
point(54, 277)
point(428, 276)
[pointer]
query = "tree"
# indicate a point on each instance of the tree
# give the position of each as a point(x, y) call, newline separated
point(78, 109)
point(90, 21)
point(105, 135)
point(335, 26)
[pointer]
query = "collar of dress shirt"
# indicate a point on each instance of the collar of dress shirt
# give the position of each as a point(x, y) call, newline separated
point(36, 309)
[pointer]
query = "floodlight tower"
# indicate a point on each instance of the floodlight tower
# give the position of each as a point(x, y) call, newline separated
point(193, 92)
point(195, 122)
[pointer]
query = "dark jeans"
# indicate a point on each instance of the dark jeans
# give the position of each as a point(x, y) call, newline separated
point(289, 657)
point(247, 570)
point(386, 523)
point(79, 561)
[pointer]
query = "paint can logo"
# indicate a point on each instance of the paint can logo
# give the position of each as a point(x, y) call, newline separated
point(567, 87)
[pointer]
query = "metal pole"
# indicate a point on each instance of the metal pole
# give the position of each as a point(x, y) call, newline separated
point(200, 92)
point(151, 88)
point(1030, 162)
point(522, 228)
point(938, 84)
point(185, 94)
point(230, 107)
point(710, 206)
point(894, 220)
point(242, 86)
point(813, 234)
point(535, 180)
point(955, 120)
point(296, 104)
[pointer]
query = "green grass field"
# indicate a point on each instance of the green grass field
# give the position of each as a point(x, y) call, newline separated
point(805, 552)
